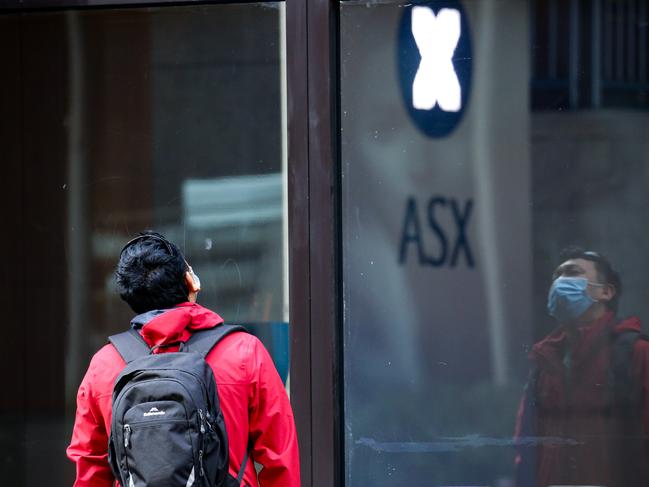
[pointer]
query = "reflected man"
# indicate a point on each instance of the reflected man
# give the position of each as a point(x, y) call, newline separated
point(584, 414)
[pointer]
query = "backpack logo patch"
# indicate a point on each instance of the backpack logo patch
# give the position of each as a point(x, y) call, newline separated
point(154, 411)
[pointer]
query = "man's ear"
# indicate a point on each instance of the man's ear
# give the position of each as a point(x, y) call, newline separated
point(191, 284)
point(608, 292)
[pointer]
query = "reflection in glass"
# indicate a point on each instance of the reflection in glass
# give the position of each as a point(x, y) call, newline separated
point(118, 121)
point(452, 223)
point(582, 417)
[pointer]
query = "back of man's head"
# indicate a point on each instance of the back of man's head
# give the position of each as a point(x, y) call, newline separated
point(605, 271)
point(151, 273)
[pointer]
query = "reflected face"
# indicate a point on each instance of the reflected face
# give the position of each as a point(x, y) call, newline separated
point(577, 268)
point(586, 269)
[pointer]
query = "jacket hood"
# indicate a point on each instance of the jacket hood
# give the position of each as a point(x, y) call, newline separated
point(162, 328)
point(550, 351)
point(629, 324)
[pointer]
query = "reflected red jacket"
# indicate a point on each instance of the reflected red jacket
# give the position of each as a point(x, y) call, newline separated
point(570, 429)
point(253, 399)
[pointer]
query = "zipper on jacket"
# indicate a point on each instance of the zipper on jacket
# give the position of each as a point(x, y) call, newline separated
point(200, 462)
point(127, 435)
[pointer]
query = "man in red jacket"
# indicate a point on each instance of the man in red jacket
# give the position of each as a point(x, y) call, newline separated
point(584, 417)
point(155, 280)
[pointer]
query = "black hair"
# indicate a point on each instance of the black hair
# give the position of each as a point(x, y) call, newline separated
point(150, 273)
point(605, 272)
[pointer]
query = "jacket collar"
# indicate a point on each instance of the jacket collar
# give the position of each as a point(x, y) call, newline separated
point(550, 351)
point(164, 327)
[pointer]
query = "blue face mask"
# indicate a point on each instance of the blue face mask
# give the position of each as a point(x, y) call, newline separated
point(197, 281)
point(568, 299)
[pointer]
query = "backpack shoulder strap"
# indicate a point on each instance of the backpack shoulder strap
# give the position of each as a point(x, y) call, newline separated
point(130, 345)
point(526, 468)
point(202, 341)
point(621, 360)
point(528, 427)
point(242, 470)
point(622, 350)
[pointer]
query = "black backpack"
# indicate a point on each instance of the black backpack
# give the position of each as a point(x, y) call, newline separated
point(167, 428)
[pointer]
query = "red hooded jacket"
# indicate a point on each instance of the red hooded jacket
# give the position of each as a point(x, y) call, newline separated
point(569, 429)
point(253, 399)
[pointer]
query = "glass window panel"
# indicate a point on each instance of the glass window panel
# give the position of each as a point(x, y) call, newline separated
point(117, 121)
point(479, 139)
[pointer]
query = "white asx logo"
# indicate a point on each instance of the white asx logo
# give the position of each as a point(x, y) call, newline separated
point(436, 37)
